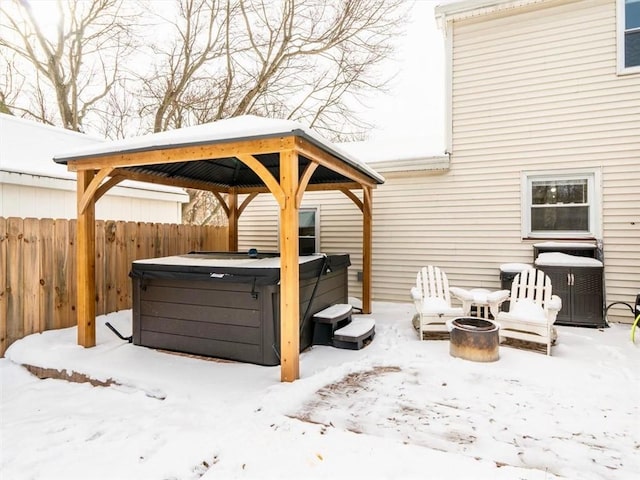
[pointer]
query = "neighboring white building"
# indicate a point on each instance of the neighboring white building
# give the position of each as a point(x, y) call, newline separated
point(32, 185)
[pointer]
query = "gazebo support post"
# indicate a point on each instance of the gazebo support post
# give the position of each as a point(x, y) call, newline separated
point(289, 270)
point(86, 263)
point(233, 215)
point(367, 235)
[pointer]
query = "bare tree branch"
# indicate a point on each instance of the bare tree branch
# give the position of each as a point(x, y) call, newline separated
point(203, 60)
point(88, 40)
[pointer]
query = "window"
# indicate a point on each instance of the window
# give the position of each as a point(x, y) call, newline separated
point(561, 205)
point(309, 240)
point(629, 36)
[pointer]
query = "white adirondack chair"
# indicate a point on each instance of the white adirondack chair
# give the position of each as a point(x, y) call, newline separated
point(433, 301)
point(532, 310)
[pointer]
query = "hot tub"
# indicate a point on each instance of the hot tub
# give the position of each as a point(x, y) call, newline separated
point(227, 304)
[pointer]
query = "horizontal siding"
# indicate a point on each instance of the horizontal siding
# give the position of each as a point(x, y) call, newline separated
point(535, 91)
point(34, 202)
point(538, 91)
point(407, 234)
point(340, 228)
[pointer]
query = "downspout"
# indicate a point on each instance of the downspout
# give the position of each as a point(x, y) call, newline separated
point(445, 24)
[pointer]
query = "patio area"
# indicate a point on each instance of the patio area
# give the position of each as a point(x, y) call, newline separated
point(399, 408)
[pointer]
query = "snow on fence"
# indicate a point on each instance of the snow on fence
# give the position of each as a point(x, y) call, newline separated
point(37, 267)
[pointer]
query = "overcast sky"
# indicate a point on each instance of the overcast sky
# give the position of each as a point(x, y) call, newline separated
point(414, 109)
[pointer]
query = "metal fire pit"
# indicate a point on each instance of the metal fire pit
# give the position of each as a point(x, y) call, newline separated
point(474, 339)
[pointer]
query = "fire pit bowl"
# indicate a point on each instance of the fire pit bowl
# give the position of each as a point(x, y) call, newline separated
point(474, 339)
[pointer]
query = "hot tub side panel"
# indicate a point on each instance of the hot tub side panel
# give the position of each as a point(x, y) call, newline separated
point(206, 318)
point(236, 321)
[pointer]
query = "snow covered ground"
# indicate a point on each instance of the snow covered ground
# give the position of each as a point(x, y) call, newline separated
point(399, 408)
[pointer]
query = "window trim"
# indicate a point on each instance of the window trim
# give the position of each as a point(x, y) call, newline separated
point(620, 17)
point(316, 227)
point(593, 177)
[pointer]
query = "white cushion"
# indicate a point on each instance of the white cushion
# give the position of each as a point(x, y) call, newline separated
point(526, 310)
point(434, 304)
point(438, 306)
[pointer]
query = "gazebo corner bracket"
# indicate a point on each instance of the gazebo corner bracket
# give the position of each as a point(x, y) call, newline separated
point(265, 175)
point(304, 181)
point(92, 189)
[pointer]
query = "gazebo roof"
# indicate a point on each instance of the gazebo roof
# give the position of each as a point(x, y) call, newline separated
point(223, 170)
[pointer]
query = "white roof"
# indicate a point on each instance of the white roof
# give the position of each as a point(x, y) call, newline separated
point(28, 147)
point(374, 151)
point(459, 9)
point(398, 155)
point(243, 127)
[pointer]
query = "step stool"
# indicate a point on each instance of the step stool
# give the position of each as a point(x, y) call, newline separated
point(354, 335)
point(329, 320)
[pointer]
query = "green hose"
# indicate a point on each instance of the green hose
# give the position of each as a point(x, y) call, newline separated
point(633, 328)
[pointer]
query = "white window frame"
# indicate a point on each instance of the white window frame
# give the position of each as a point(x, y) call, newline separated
point(593, 177)
point(620, 13)
point(317, 224)
point(317, 227)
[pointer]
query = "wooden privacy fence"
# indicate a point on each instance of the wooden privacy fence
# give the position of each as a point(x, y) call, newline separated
point(38, 258)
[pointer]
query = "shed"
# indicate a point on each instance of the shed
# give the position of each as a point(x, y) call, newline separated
point(31, 185)
point(240, 156)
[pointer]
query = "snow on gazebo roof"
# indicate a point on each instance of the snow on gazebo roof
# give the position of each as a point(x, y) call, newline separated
point(242, 128)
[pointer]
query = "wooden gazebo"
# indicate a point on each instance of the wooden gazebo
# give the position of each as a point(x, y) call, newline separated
point(239, 156)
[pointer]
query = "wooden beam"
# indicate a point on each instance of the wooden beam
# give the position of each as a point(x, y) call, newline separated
point(246, 202)
point(304, 181)
point(367, 244)
point(89, 193)
point(265, 175)
point(319, 187)
point(353, 198)
point(233, 214)
point(332, 163)
point(223, 203)
point(106, 186)
point(86, 262)
point(179, 153)
point(233, 221)
point(289, 270)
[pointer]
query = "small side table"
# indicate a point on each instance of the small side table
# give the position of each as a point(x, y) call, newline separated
point(484, 308)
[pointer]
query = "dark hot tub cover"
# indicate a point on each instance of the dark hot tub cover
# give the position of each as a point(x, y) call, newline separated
point(233, 267)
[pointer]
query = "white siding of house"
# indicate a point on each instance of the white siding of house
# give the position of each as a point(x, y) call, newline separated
point(534, 91)
point(340, 228)
point(538, 91)
point(404, 210)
